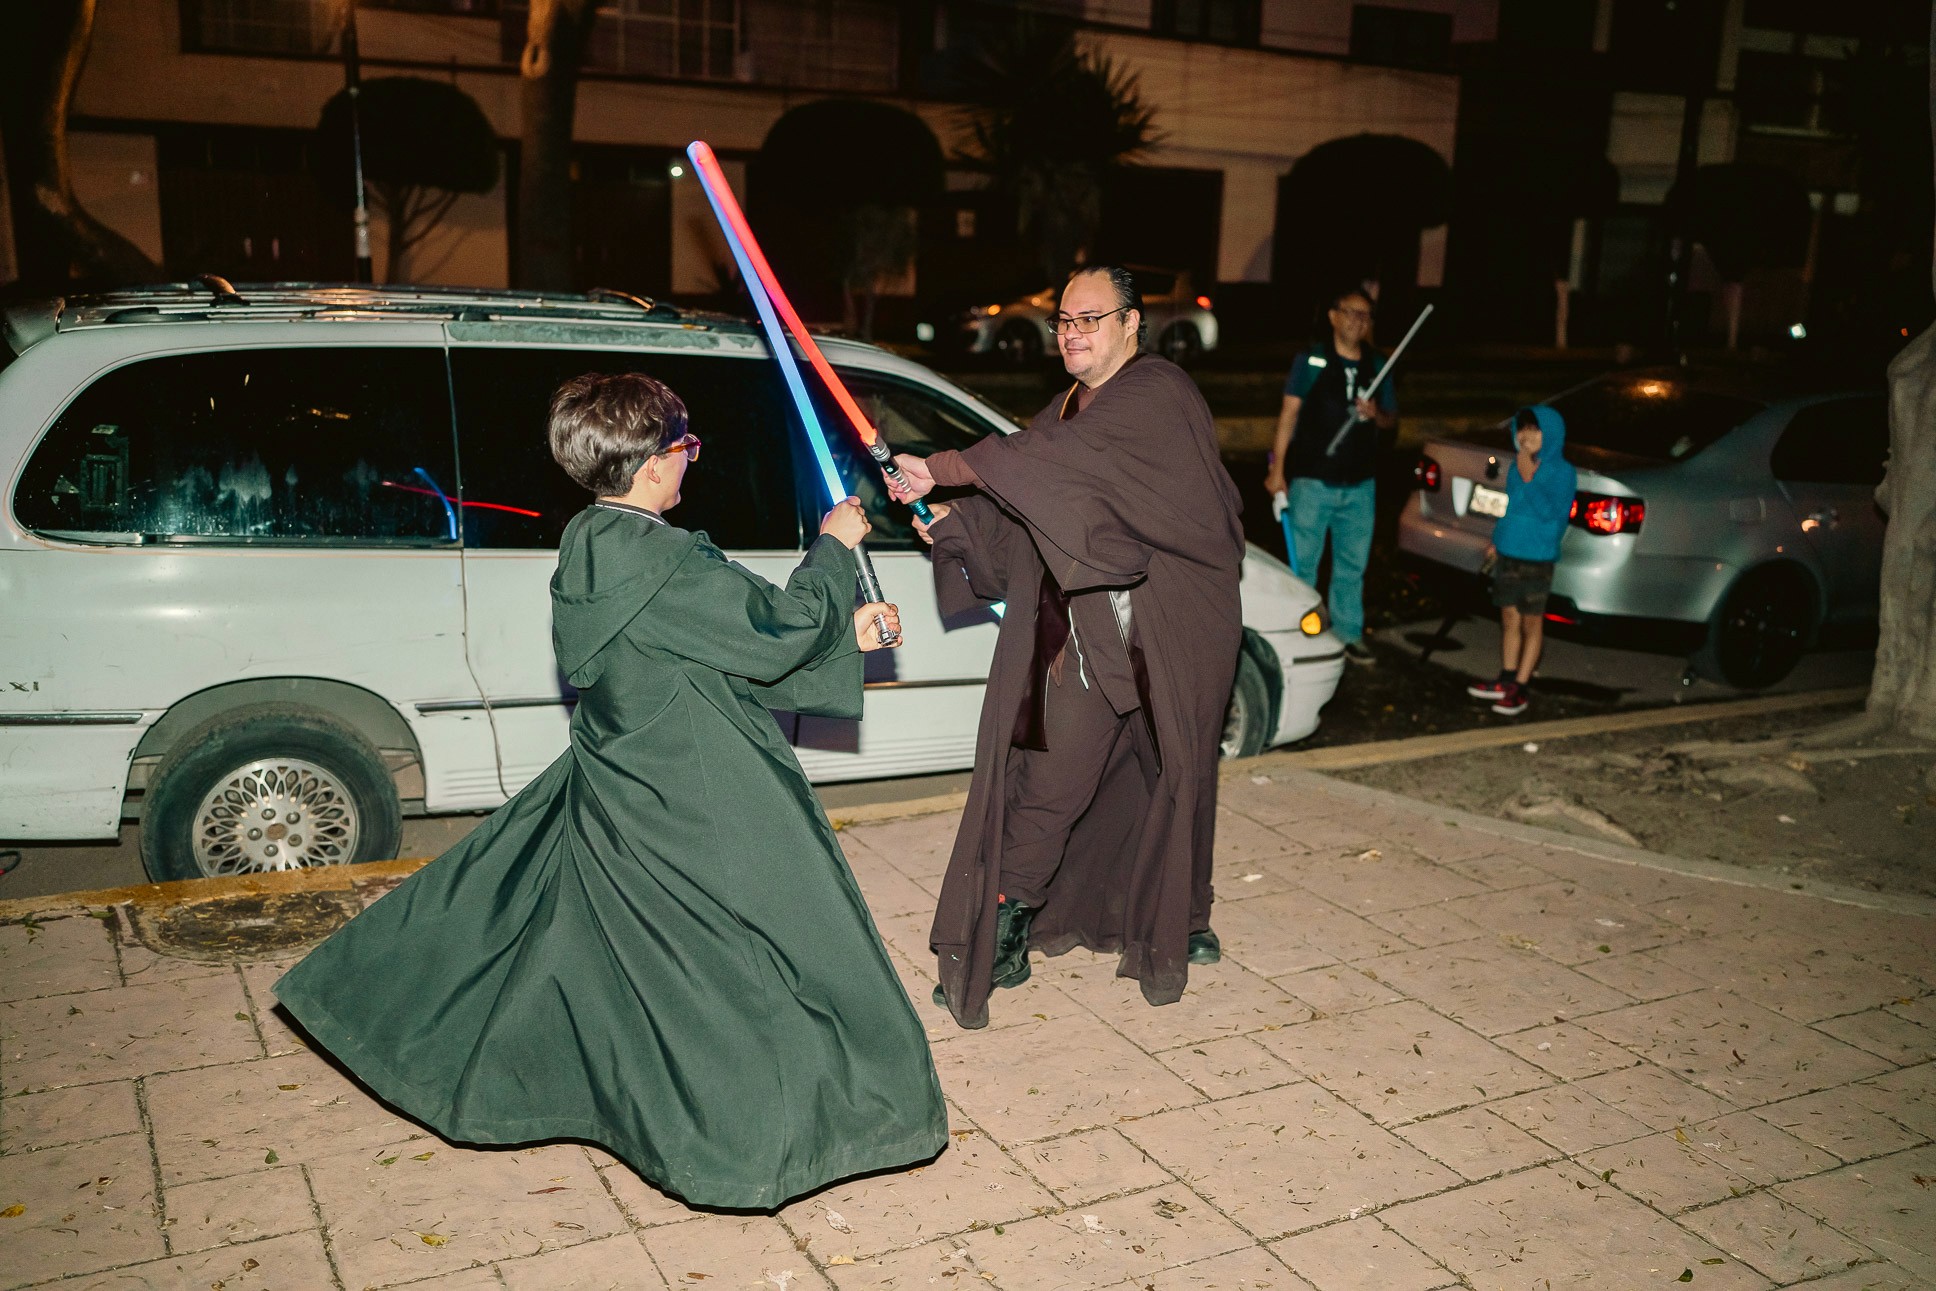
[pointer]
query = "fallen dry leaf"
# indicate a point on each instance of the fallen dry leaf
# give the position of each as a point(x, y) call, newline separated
point(539, 1192)
point(841, 1259)
point(838, 1222)
point(432, 1239)
point(248, 1265)
point(13, 1212)
point(1092, 1223)
point(288, 1086)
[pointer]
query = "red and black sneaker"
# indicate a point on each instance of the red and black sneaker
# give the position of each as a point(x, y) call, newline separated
point(1513, 702)
point(1493, 689)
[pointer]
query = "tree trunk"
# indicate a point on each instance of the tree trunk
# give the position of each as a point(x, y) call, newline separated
point(555, 39)
point(57, 245)
point(1731, 293)
point(1903, 692)
point(1562, 311)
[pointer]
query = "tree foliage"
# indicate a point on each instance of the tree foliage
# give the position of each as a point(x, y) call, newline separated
point(850, 175)
point(1364, 199)
point(1051, 121)
point(425, 143)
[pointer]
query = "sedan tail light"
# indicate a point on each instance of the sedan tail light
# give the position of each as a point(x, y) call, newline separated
point(1604, 514)
point(1426, 474)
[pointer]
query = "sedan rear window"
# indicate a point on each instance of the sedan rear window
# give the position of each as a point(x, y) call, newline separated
point(1650, 417)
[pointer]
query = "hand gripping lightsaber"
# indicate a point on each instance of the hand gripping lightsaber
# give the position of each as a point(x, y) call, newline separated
point(1331, 449)
point(733, 223)
point(758, 277)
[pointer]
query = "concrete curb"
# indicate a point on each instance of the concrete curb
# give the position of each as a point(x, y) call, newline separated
point(1607, 850)
point(1345, 757)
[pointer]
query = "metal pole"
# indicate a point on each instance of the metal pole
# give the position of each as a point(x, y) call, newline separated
point(353, 86)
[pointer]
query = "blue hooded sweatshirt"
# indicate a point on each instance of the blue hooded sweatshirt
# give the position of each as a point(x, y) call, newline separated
point(1537, 509)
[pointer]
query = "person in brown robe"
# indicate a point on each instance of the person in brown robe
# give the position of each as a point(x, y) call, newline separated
point(1110, 529)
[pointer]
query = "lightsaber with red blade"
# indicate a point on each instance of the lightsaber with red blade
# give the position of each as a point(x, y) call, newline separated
point(767, 299)
point(733, 223)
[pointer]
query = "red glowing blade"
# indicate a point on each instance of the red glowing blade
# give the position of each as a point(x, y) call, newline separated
point(702, 157)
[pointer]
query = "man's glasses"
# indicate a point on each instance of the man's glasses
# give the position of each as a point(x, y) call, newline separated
point(1358, 315)
point(689, 446)
point(1084, 323)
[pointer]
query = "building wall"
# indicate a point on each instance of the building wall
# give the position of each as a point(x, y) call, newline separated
point(1248, 113)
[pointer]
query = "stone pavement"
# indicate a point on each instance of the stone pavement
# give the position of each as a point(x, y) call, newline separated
point(1440, 1051)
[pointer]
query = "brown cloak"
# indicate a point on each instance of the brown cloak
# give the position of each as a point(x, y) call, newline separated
point(1127, 493)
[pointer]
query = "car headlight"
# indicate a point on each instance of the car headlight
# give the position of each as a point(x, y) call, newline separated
point(1311, 624)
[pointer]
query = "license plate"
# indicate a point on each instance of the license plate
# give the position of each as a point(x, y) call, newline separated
point(1487, 502)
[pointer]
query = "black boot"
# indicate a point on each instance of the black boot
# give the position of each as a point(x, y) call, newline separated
point(1012, 968)
point(1012, 920)
point(1205, 948)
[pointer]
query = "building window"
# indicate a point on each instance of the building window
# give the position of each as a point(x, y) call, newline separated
point(1401, 37)
point(261, 26)
point(1227, 22)
point(688, 40)
point(823, 44)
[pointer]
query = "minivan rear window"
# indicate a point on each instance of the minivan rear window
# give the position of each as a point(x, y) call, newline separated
point(1651, 417)
point(324, 444)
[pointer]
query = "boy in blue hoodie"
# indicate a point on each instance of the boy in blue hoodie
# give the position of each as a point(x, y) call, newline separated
point(1525, 546)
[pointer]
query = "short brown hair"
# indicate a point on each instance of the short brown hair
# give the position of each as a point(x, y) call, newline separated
point(604, 425)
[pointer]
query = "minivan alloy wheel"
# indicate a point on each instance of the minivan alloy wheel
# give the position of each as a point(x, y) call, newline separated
point(275, 814)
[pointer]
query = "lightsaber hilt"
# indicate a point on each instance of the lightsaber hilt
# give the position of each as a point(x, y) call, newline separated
point(1331, 449)
point(880, 453)
point(870, 591)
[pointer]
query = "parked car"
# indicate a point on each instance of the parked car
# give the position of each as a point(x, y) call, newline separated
point(1743, 518)
point(1178, 322)
point(276, 562)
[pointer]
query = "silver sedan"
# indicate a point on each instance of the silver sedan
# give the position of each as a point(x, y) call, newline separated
point(1179, 322)
point(1746, 519)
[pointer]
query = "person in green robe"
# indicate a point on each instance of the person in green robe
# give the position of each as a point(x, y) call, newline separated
point(657, 945)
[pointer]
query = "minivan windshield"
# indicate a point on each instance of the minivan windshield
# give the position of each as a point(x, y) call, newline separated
point(1649, 416)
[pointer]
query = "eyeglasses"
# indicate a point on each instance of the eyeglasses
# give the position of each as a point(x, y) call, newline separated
point(689, 446)
point(1084, 323)
point(1360, 315)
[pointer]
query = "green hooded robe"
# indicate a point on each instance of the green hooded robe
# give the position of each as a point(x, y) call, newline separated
point(657, 945)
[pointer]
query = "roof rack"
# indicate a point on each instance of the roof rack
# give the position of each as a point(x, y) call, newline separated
point(211, 296)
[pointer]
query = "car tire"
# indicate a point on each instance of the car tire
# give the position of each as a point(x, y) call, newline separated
point(1180, 344)
point(1019, 345)
point(1248, 722)
point(271, 787)
point(1760, 629)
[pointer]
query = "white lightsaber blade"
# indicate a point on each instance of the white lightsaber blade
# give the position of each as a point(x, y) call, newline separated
point(1331, 449)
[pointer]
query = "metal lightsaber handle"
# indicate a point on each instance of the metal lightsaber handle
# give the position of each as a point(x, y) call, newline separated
point(870, 592)
point(1331, 449)
point(878, 450)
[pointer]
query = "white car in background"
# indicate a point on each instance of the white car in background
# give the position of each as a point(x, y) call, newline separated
point(1178, 322)
point(275, 561)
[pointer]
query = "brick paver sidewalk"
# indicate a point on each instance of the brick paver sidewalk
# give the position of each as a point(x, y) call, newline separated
point(1439, 1052)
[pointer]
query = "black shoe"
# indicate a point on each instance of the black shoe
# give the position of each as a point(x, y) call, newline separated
point(1205, 948)
point(940, 997)
point(1012, 920)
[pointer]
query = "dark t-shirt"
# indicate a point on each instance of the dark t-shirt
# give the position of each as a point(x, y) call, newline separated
point(1330, 385)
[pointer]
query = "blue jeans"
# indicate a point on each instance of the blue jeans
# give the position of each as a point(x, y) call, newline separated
point(1346, 513)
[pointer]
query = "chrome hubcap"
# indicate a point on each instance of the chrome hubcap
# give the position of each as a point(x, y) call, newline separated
point(275, 814)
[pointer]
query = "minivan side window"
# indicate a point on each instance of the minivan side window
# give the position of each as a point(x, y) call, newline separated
point(740, 491)
point(1842, 441)
point(326, 444)
point(911, 420)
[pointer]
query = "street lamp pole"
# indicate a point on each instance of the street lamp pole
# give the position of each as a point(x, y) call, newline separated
point(353, 87)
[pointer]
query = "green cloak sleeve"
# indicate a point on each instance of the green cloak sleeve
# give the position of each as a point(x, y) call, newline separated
point(794, 644)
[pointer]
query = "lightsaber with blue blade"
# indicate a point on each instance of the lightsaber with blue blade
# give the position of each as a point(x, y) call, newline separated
point(739, 238)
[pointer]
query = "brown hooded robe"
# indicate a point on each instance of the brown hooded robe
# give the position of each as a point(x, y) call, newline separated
point(1127, 493)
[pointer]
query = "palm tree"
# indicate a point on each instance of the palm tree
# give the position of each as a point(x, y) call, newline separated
point(1051, 121)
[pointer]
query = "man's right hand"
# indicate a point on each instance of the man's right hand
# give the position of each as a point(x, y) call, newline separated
point(1274, 480)
point(940, 510)
point(915, 471)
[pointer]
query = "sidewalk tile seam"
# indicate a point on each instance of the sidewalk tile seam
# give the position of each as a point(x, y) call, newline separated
point(159, 1071)
point(323, 1233)
point(1393, 1233)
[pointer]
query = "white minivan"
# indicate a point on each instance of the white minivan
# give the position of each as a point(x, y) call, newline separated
point(274, 561)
